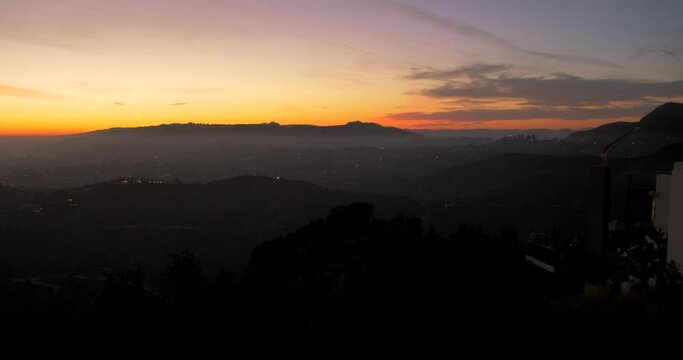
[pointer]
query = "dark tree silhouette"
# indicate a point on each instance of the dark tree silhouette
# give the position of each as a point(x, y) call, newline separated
point(641, 257)
point(186, 286)
point(353, 271)
point(125, 304)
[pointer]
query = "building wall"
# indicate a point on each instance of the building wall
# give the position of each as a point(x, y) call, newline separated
point(676, 214)
point(662, 202)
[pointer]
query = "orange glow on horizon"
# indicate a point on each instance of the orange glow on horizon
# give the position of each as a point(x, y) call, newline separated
point(75, 66)
point(56, 130)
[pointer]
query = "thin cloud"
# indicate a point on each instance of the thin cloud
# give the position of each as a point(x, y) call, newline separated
point(28, 93)
point(179, 104)
point(325, 74)
point(43, 41)
point(557, 89)
point(356, 50)
point(664, 51)
point(569, 58)
point(462, 28)
point(474, 70)
point(670, 47)
point(482, 115)
point(450, 24)
point(203, 90)
point(117, 103)
point(475, 93)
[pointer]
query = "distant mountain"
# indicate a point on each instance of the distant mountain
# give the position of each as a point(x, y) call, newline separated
point(353, 128)
point(207, 142)
point(137, 221)
point(662, 126)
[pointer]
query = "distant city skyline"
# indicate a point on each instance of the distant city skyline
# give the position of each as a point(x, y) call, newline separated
point(71, 66)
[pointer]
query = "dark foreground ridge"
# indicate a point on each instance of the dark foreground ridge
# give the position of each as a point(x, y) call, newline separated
point(353, 275)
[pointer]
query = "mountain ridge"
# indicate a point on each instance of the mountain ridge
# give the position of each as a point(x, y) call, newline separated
point(660, 127)
point(139, 219)
point(352, 128)
point(666, 117)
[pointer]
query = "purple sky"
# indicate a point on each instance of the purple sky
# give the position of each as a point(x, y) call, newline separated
point(72, 65)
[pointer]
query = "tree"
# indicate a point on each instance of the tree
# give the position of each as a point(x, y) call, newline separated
point(642, 258)
point(124, 301)
point(184, 279)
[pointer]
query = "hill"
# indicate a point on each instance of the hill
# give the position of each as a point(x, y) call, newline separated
point(661, 161)
point(662, 126)
point(519, 191)
point(207, 142)
point(136, 221)
point(353, 128)
point(505, 174)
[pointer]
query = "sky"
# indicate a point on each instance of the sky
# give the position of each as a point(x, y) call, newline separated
point(69, 66)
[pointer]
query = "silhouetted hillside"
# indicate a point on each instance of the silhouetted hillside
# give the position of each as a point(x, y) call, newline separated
point(666, 117)
point(199, 142)
point(661, 161)
point(519, 191)
point(507, 174)
point(662, 126)
point(135, 220)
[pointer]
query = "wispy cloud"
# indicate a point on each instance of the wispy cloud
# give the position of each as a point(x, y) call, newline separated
point(179, 104)
point(474, 70)
point(557, 89)
point(28, 93)
point(669, 51)
point(463, 28)
point(669, 46)
point(489, 92)
point(117, 103)
point(204, 90)
point(570, 113)
point(342, 76)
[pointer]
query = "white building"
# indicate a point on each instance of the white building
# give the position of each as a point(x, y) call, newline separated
point(669, 210)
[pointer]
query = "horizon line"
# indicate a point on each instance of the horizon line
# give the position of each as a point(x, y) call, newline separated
point(57, 133)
